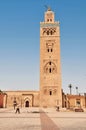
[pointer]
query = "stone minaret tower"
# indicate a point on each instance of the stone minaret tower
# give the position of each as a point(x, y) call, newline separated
point(50, 71)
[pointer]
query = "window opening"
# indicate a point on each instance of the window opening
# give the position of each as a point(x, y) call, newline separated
point(51, 32)
point(47, 32)
point(50, 62)
point(78, 102)
point(47, 20)
point(51, 20)
point(49, 70)
point(51, 49)
point(50, 92)
point(48, 50)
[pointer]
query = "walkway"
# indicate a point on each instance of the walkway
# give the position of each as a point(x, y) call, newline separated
point(41, 119)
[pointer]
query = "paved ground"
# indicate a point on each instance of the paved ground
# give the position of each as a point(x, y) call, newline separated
point(41, 119)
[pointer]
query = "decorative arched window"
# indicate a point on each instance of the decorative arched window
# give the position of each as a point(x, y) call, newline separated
point(47, 20)
point(49, 70)
point(50, 92)
point(48, 50)
point(51, 32)
point(49, 47)
point(50, 62)
point(50, 67)
point(47, 32)
point(51, 20)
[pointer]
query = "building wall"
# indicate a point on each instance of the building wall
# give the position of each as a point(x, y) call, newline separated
point(1, 100)
point(76, 101)
point(21, 97)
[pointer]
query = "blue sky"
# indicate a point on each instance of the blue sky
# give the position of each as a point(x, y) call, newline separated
point(20, 42)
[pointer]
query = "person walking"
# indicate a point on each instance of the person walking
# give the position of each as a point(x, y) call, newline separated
point(17, 109)
point(57, 108)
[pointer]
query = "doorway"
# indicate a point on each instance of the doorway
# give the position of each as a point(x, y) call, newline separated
point(27, 104)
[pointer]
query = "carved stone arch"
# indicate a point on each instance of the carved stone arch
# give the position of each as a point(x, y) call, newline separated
point(50, 67)
point(26, 99)
point(54, 91)
point(50, 45)
point(53, 30)
point(49, 31)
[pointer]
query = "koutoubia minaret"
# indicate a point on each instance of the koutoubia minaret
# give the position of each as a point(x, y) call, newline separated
point(50, 67)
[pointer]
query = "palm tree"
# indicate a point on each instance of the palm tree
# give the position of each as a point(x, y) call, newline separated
point(70, 87)
point(0, 91)
point(77, 90)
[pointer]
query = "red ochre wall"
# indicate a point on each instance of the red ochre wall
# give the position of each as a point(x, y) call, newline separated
point(1, 100)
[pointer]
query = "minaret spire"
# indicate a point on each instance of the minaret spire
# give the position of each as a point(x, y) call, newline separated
point(48, 8)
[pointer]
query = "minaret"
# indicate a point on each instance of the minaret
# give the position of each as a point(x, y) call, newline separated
point(50, 71)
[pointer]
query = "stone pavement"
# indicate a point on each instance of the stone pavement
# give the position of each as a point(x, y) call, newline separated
point(41, 119)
